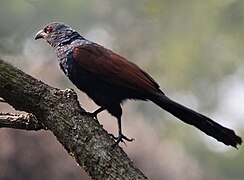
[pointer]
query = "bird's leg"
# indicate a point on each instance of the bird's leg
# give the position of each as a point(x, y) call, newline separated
point(95, 113)
point(121, 137)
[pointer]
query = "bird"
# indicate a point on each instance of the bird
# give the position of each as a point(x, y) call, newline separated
point(110, 79)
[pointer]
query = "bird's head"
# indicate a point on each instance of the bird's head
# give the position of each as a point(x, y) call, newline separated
point(56, 34)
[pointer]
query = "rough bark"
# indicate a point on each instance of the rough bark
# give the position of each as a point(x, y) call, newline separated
point(25, 121)
point(60, 112)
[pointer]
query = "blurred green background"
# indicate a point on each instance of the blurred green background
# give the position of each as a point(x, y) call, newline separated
point(193, 49)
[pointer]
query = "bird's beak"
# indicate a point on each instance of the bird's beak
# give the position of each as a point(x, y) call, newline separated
point(40, 34)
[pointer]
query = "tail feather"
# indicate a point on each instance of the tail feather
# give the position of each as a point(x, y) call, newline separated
point(205, 124)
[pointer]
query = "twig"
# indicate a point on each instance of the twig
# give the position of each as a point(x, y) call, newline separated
point(20, 121)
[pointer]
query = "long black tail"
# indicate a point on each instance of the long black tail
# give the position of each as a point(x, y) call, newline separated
point(205, 124)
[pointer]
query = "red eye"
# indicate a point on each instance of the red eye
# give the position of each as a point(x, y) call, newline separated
point(48, 30)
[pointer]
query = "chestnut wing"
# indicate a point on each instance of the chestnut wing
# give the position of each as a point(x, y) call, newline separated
point(113, 68)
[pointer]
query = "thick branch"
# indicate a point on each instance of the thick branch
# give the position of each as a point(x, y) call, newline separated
point(20, 121)
point(82, 136)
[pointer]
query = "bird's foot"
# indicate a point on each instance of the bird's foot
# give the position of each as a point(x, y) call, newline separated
point(92, 114)
point(120, 138)
point(95, 113)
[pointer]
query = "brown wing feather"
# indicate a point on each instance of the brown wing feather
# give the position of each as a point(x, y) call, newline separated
point(113, 68)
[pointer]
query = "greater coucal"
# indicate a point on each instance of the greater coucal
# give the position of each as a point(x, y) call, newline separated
point(109, 79)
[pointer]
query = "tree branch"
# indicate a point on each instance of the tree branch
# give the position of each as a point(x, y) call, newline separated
point(20, 121)
point(59, 111)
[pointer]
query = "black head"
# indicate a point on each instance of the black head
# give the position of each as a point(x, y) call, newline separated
point(57, 33)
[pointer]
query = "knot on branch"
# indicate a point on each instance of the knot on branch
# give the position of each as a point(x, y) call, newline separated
point(67, 93)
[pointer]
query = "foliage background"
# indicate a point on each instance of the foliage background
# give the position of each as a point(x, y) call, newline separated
point(194, 49)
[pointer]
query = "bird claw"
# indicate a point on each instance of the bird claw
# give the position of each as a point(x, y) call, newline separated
point(120, 138)
point(2, 100)
point(92, 114)
point(95, 113)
